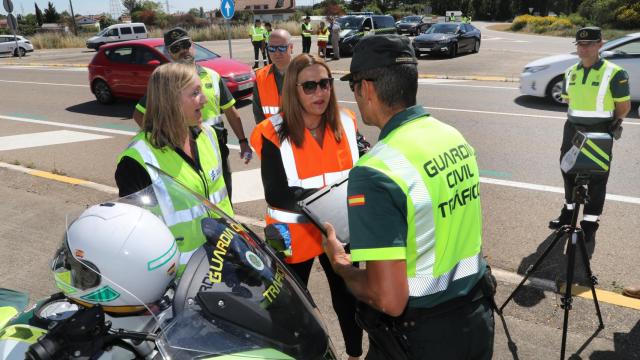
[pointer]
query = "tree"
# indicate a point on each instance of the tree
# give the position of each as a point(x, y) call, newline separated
point(201, 12)
point(131, 5)
point(39, 17)
point(106, 21)
point(50, 14)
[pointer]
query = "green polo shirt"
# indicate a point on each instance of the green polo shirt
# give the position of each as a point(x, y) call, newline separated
point(378, 218)
point(619, 83)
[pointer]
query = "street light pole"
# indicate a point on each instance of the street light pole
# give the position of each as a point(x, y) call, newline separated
point(73, 18)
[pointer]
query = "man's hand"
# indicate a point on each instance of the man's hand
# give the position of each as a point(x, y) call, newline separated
point(245, 152)
point(334, 249)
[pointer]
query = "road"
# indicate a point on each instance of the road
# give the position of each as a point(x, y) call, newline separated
point(50, 121)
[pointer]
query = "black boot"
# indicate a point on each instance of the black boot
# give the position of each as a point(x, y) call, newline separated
point(563, 219)
point(589, 229)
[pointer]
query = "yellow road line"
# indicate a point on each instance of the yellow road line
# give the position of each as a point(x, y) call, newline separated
point(56, 177)
point(604, 296)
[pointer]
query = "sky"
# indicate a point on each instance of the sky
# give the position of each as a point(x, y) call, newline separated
point(91, 7)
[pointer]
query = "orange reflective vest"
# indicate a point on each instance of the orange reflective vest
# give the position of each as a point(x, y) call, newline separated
point(308, 167)
point(268, 91)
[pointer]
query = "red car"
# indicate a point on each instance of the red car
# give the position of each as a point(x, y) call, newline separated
point(122, 70)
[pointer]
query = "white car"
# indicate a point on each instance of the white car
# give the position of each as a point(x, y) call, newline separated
point(8, 45)
point(544, 77)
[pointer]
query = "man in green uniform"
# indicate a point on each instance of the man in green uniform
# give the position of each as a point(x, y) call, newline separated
point(415, 219)
point(598, 95)
point(256, 35)
point(179, 47)
point(306, 32)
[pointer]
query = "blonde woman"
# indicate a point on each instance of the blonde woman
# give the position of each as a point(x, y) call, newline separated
point(173, 140)
point(311, 144)
point(323, 38)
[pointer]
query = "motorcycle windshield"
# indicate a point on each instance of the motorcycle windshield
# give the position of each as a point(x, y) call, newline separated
point(235, 297)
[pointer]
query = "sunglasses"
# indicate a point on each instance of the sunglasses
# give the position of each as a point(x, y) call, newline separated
point(179, 46)
point(310, 87)
point(352, 83)
point(281, 48)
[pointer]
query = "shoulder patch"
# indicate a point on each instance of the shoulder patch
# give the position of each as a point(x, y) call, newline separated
point(356, 200)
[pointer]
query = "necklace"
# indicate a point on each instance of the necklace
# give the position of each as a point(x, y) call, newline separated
point(313, 130)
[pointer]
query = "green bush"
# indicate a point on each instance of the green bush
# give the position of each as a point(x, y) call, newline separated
point(520, 22)
point(577, 20)
point(628, 17)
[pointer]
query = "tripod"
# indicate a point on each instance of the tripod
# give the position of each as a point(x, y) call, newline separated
point(575, 237)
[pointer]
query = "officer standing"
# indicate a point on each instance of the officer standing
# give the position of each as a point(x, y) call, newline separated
point(415, 219)
point(334, 30)
point(256, 34)
point(179, 47)
point(598, 95)
point(306, 35)
point(267, 33)
point(452, 17)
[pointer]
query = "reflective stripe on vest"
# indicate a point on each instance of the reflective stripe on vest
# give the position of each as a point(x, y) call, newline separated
point(257, 34)
point(586, 105)
point(268, 91)
point(421, 235)
point(323, 36)
point(314, 182)
point(211, 114)
point(286, 216)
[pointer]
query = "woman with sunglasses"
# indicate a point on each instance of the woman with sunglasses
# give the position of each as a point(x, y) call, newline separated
point(310, 144)
point(174, 139)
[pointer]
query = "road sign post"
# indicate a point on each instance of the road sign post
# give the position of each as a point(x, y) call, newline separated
point(228, 9)
point(8, 5)
point(13, 24)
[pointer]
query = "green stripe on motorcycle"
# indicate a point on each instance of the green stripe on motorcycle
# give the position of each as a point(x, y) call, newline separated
point(104, 294)
point(597, 149)
point(254, 355)
point(6, 313)
point(163, 259)
point(22, 333)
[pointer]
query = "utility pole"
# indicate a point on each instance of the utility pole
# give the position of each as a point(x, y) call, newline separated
point(167, 3)
point(73, 18)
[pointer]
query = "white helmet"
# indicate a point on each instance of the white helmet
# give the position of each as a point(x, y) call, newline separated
point(117, 255)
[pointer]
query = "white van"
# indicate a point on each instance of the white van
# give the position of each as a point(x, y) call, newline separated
point(118, 32)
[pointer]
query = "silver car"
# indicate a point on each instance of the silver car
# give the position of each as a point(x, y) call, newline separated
point(8, 45)
point(544, 77)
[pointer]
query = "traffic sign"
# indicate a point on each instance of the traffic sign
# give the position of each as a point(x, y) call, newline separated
point(8, 5)
point(12, 22)
point(227, 8)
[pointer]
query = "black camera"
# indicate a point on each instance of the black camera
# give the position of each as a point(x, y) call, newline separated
point(590, 154)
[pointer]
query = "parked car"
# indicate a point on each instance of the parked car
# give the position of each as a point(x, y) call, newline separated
point(122, 70)
point(448, 39)
point(116, 33)
point(544, 77)
point(8, 45)
point(353, 27)
point(412, 25)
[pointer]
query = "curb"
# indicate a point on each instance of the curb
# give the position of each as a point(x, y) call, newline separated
point(342, 72)
point(501, 275)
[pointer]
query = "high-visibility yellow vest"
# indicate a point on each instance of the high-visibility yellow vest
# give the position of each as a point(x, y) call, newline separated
point(323, 35)
point(257, 33)
point(306, 30)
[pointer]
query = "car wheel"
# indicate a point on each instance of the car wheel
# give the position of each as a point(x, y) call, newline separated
point(476, 46)
point(102, 92)
point(554, 89)
point(20, 50)
point(453, 51)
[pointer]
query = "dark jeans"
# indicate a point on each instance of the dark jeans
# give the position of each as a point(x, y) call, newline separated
point(258, 46)
point(221, 133)
point(465, 333)
point(343, 302)
point(597, 187)
point(306, 44)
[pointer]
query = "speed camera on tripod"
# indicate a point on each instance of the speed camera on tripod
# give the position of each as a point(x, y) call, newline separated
point(589, 154)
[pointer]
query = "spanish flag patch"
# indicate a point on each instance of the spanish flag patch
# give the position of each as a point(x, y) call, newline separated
point(356, 200)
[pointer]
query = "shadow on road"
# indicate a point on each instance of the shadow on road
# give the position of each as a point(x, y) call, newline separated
point(511, 345)
point(537, 103)
point(120, 109)
point(553, 267)
point(625, 345)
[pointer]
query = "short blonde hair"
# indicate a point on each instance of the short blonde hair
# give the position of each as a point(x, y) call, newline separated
point(164, 121)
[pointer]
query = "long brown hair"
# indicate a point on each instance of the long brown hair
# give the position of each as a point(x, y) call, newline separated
point(164, 122)
point(293, 113)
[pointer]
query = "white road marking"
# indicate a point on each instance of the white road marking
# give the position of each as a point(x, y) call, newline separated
point(43, 68)
point(42, 83)
point(438, 81)
point(626, 122)
point(471, 86)
point(46, 138)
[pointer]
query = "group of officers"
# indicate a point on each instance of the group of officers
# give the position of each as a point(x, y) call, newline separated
point(426, 289)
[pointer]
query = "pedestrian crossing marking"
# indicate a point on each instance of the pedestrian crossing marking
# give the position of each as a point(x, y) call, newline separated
point(57, 137)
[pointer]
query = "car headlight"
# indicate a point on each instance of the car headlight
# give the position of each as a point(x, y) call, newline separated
point(535, 69)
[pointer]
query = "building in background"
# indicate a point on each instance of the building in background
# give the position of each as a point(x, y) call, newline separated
point(268, 10)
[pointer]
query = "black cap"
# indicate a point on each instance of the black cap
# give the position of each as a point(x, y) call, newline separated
point(378, 51)
point(590, 33)
point(307, 18)
point(174, 35)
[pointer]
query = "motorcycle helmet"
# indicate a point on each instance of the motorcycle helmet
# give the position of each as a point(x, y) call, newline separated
point(117, 255)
